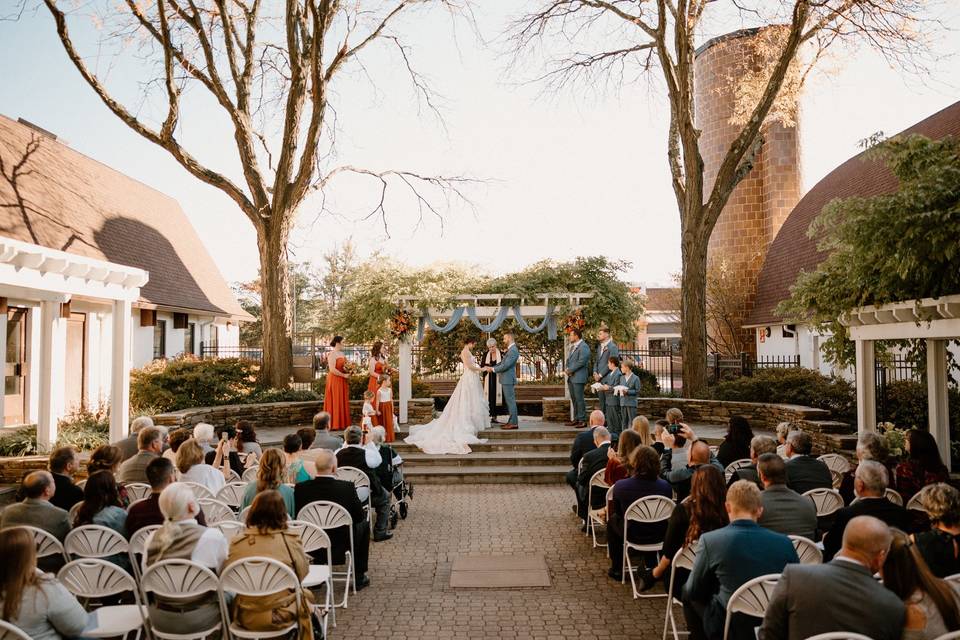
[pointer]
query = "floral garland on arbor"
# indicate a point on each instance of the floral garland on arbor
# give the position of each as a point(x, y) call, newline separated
point(401, 323)
point(575, 320)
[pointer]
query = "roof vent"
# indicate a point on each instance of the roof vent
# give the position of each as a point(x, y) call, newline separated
point(41, 130)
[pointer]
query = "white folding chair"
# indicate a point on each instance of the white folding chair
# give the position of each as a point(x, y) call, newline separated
point(47, 544)
point(954, 580)
point(893, 497)
point(179, 581)
point(847, 635)
point(256, 577)
point(74, 510)
point(837, 464)
point(138, 491)
point(242, 516)
point(138, 547)
point(682, 559)
point(916, 503)
point(250, 473)
point(827, 501)
point(593, 515)
point(360, 481)
point(232, 494)
point(234, 477)
point(10, 632)
point(735, 466)
point(95, 541)
point(200, 492)
point(215, 511)
point(82, 484)
point(95, 579)
point(130, 506)
point(646, 510)
point(836, 478)
point(807, 550)
point(751, 599)
point(329, 516)
point(953, 635)
point(315, 539)
point(229, 528)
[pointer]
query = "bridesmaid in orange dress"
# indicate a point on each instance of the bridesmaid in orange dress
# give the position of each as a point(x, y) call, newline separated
point(336, 398)
point(376, 366)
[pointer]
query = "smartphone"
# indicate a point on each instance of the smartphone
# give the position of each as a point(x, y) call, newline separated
point(224, 436)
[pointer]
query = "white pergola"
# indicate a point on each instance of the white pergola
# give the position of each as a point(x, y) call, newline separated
point(486, 306)
point(46, 279)
point(935, 320)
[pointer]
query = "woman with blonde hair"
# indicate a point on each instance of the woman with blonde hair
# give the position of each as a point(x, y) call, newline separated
point(940, 545)
point(33, 601)
point(641, 424)
point(180, 537)
point(193, 469)
point(270, 478)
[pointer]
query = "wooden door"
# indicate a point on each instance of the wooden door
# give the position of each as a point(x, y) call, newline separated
point(15, 372)
point(75, 365)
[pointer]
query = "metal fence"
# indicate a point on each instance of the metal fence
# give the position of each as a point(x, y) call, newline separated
point(893, 369)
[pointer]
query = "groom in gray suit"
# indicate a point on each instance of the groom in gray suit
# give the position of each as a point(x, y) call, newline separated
point(507, 370)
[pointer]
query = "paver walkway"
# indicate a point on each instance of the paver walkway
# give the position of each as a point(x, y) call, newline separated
point(410, 597)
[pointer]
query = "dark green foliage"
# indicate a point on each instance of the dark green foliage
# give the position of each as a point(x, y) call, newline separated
point(281, 395)
point(182, 383)
point(905, 405)
point(84, 429)
point(792, 385)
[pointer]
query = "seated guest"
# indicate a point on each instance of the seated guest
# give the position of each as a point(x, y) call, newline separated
point(583, 443)
point(939, 545)
point(267, 536)
point(160, 474)
point(270, 478)
point(246, 438)
point(325, 439)
point(726, 559)
point(108, 458)
point(932, 605)
point(176, 438)
point(641, 424)
point(36, 509)
point(869, 486)
point(388, 471)
point(869, 447)
point(63, 464)
point(182, 538)
point(326, 486)
point(130, 445)
point(784, 510)
point(679, 475)
point(644, 482)
point(736, 444)
point(783, 430)
point(841, 595)
point(618, 460)
point(193, 469)
point(704, 511)
point(804, 472)
point(307, 436)
point(35, 602)
point(759, 445)
point(134, 469)
point(101, 506)
point(681, 446)
point(922, 466)
point(295, 469)
point(205, 434)
point(593, 461)
point(366, 457)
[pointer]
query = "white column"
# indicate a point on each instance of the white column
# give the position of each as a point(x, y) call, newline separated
point(866, 386)
point(406, 373)
point(120, 370)
point(937, 397)
point(52, 337)
point(3, 362)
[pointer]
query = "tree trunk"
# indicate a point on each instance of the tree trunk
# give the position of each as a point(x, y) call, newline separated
point(693, 316)
point(275, 298)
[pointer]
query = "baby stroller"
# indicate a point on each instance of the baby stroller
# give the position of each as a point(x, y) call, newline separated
point(400, 495)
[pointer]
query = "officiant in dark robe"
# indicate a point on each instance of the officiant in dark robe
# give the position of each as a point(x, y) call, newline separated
point(491, 381)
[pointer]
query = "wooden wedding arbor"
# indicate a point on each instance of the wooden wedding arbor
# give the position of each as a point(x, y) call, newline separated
point(487, 312)
point(935, 320)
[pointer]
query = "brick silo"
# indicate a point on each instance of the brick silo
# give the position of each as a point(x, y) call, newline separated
point(761, 202)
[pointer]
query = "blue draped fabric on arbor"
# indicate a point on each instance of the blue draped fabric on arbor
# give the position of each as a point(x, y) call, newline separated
point(548, 322)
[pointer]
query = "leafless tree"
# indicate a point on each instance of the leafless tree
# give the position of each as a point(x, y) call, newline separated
point(271, 68)
point(615, 41)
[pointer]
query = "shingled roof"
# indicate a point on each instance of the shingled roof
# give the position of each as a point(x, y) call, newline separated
point(55, 197)
point(792, 251)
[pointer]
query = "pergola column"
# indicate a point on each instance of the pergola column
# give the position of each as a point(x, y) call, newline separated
point(866, 386)
point(3, 357)
point(52, 338)
point(406, 372)
point(937, 402)
point(120, 370)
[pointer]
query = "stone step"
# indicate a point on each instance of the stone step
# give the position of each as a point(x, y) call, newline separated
point(540, 444)
point(553, 474)
point(552, 432)
point(414, 462)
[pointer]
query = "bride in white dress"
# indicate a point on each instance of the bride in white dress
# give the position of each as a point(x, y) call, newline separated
point(466, 414)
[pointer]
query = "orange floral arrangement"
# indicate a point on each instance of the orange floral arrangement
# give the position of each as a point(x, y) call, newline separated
point(401, 323)
point(575, 321)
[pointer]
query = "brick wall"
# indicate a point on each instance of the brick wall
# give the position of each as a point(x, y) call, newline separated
point(761, 202)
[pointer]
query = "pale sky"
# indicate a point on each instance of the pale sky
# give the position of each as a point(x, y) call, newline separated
point(571, 174)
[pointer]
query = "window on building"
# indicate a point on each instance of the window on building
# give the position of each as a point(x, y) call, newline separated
point(188, 337)
point(160, 340)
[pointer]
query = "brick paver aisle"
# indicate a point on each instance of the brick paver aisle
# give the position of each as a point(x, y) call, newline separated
point(409, 596)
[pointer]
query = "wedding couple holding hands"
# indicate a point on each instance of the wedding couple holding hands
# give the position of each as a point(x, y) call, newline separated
point(468, 412)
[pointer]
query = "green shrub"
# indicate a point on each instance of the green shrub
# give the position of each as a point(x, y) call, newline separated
point(281, 395)
point(84, 429)
point(649, 385)
point(182, 383)
point(905, 405)
point(793, 385)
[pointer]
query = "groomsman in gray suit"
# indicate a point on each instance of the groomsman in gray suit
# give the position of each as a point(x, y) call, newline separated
point(601, 367)
point(577, 369)
point(628, 401)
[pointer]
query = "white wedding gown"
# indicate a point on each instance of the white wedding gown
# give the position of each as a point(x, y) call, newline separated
point(466, 415)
